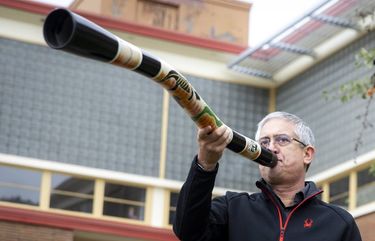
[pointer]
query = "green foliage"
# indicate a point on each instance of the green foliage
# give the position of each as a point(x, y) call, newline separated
point(355, 88)
point(365, 58)
point(345, 92)
point(349, 90)
point(372, 169)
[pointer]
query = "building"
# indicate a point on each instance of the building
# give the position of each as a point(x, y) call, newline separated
point(91, 151)
point(212, 19)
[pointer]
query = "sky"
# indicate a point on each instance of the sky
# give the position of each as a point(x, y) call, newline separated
point(267, 17)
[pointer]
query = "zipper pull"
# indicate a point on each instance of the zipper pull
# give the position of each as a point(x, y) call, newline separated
point(282, 231)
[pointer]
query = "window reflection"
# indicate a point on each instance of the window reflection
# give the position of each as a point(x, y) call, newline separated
point(366, 187)
point(172, 206)
point(124, 201)
point(338, 192)
point(72, 193)
point(19, 185)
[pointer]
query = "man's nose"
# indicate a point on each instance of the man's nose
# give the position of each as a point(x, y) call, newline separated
point(273, 147)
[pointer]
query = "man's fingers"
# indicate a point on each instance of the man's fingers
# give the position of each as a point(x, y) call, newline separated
point(225, 137)
point(212, 143)
point(208, 134)
point(217, 137)
point(203, 132)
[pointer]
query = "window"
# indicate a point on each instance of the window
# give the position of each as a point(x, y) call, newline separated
point(172, 206)
point(157, 14)
point(72, 193)
point(124, 201)
point(366, 187)
point(19, 185)
point(339, 192)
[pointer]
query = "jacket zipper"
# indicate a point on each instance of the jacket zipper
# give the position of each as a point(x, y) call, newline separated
point(282, 231)
point(283, 226)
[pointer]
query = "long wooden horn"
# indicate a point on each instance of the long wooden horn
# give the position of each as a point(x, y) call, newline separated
point(73, 33)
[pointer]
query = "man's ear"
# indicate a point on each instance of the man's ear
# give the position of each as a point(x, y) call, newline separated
point(308, 156)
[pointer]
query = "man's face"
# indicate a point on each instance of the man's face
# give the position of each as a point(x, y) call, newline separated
point(292, 156)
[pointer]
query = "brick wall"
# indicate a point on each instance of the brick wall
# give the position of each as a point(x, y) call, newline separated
point(366, 226)
point(10, 231)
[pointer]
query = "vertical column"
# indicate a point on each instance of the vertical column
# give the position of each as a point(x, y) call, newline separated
point(157, 209)
point(149, 205)
point(272, 100)
point(164, 134)
point(325, 195)
point(45, 190)
point(98, 198)
point(352, 190)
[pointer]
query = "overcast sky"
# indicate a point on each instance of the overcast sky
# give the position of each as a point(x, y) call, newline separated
point(267, 17)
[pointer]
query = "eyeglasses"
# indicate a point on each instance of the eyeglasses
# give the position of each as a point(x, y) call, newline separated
point(281, 140)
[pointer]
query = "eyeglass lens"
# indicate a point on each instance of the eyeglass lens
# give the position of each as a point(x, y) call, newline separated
point(281, 140)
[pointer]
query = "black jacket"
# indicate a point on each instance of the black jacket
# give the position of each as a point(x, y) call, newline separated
point(256, 217)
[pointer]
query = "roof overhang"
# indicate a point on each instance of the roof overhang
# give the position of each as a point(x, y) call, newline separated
point(319, 33)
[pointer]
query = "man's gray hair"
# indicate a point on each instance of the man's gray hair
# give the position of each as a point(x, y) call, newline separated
point(303, 132)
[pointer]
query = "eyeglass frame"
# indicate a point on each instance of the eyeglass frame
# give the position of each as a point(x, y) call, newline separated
point(278, 143)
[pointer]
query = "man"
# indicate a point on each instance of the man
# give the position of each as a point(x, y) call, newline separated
point(287, 208)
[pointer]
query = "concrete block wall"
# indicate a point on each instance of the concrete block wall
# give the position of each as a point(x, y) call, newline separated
point(335, 124)
point(60, 107)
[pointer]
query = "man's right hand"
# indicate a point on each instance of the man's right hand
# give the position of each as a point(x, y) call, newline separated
point(211, 145)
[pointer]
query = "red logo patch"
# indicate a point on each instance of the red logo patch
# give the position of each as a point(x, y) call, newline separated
point(308, 223)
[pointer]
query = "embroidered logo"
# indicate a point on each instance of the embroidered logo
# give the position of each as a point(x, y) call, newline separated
point(308, 223)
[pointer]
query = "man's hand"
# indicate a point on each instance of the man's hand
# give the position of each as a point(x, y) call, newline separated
point(211, 145)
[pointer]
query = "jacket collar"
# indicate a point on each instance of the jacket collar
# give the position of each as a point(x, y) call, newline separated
point(309, 190)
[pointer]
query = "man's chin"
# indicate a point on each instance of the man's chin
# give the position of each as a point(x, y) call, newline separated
point(272, 175)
